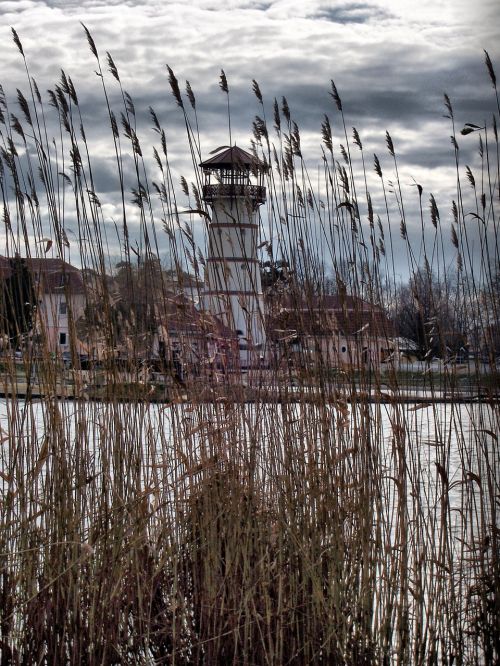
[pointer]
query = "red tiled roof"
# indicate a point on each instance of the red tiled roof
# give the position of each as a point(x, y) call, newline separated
point(323, 315)
point(53, 275)
point(179, 314)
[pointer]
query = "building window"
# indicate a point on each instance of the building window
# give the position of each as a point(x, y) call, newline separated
point(344, 349)
point(62, 338)
point(63, 308)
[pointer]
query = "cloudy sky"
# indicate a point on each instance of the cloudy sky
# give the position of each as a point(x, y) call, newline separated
point(391, 61)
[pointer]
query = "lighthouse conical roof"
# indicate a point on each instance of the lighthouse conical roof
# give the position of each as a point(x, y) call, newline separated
point(231, 157)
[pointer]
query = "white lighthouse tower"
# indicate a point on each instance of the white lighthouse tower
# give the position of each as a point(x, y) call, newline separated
point(233, 286)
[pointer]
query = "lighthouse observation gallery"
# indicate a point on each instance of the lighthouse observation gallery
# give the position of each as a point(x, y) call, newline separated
point(233, 287)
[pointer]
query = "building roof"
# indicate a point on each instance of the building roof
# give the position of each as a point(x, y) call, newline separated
point(179, 315)
point(326, 314)
point(229, 158)
point(52, 275)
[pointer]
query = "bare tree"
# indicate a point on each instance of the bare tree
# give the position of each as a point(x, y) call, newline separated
point(425, 312)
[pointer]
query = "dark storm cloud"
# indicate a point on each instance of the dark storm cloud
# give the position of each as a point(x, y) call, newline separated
point(391, 62)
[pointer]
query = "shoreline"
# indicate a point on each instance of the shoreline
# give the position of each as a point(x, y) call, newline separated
point(241, 394)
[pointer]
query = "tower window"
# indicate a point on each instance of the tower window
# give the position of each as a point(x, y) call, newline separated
point(62, 338)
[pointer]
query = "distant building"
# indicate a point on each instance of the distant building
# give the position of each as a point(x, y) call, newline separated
point(181, 282)
point(341, 330)
point(406, 351)
point(59, 301)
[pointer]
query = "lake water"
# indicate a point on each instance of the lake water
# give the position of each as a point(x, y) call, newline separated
point(443, 443)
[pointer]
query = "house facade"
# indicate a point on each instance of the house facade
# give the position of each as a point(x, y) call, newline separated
point(340, 330)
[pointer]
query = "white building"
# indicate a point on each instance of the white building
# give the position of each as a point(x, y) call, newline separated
point(233, 290)
point(61, 302)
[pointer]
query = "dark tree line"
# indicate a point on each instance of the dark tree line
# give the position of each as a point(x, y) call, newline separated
point(438, 315)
